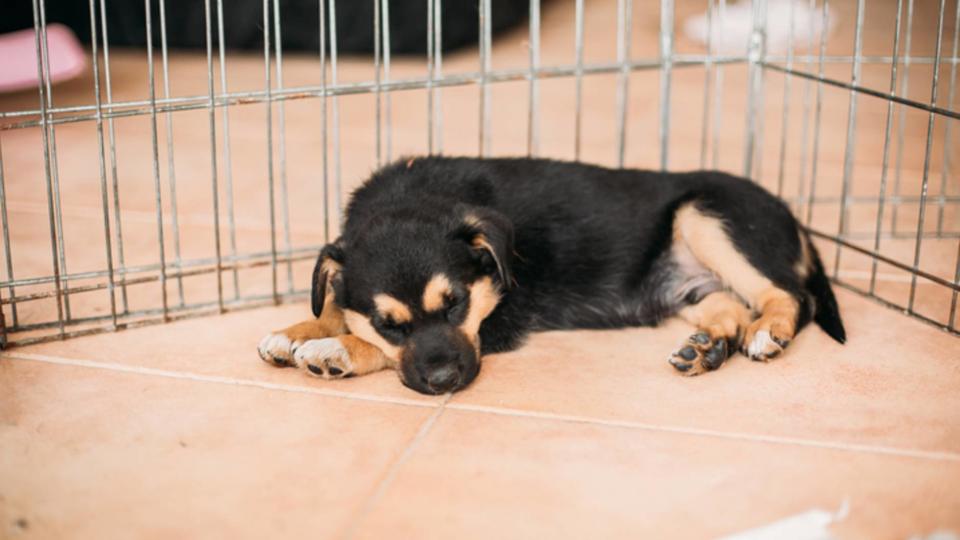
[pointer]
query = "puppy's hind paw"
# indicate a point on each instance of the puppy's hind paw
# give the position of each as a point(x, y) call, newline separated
point(701, 353)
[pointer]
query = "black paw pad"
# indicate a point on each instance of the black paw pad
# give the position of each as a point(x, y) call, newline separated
point(334, 371)
point(700, 338)
point(680, 366)
point(715, 355)
point(316, 370)
point(687, 353)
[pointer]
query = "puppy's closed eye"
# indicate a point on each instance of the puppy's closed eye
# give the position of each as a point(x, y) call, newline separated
point(391, 330)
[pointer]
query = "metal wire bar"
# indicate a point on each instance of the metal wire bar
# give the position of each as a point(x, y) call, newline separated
point(282, 138)
point(5, 229)
point(718, 95)
point(953, 298)
point(926, 159)
point(707, 66)
point(785, 114)
point(666, 60)
point(385, 13)
point(208, 19)
point(323, 122)
point(901, 120)
point(227, 157)
point(892, 305)
point(152, 268)
point(624, 40)
point(851, 143)
point(42, 74)
point(195, 267)
point(947, 139)
point(927, 107)
point(54, 162)
point(154, 139)
point(818, 108)
point(485, 53)
point(376, 78)
point(271, 198)
point(438, 69)
point(195, 310)
point(338, 187)
point(188, 103)
point(533, 98)
point(111, 133)
point(757, 47)
point(578, 75)
point(805, 126)
point(102, 162)
point(886, 149)
point(430, 75)
point(168, 118)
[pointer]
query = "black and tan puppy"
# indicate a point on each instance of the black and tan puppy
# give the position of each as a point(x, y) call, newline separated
point(443, 260)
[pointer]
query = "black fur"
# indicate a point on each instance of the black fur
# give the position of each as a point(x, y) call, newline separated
point(590, 245)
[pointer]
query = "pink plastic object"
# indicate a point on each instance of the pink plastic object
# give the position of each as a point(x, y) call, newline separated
point(18, 67)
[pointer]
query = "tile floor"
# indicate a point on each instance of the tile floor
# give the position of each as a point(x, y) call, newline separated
point(180, 430)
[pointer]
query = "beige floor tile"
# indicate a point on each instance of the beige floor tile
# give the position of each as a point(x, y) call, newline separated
point(883, 388)
point(483, 476)
point(91, 453)
point(219, 346)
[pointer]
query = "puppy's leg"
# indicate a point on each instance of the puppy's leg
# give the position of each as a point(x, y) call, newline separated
point(340, 357)
point(278, 348)
point(779, 310)
point(721, 319)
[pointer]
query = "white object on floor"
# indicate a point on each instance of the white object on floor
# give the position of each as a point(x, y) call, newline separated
point(810, 525)
point(731, 30)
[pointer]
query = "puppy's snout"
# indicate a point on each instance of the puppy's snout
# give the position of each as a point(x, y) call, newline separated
point(439, 360)
point(443, 378)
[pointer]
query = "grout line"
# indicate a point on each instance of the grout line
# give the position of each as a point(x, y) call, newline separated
point(502, 411)
point(394, 470)
point(751, 437)
point(183, 375)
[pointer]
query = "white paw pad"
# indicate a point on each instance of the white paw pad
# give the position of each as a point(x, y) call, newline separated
point(764, 346)
point(277, 349)
point(326, 358)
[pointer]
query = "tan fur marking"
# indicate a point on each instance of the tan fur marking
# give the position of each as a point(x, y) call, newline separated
point(778, 313)
point(484, 297)
point(436, 292)
point(710, 244)
point(360, 326)
point(802, 268)
point(328, 324)
point(330, 267)
point(389, 306)
point(366, 358)
point(720, 314)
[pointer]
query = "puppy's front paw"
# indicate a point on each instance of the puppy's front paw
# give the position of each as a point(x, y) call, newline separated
point(277, 349)
point(326, 358)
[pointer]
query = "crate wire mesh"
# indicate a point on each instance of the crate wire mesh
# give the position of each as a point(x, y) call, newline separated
point(885, 233)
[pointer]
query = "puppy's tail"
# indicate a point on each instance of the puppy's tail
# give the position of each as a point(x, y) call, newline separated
point(826, 311)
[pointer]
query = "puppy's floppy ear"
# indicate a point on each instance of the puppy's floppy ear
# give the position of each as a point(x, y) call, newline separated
point(490, 233)
point(329, 265)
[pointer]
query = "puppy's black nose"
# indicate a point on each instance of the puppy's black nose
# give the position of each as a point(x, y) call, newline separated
point(443, 378)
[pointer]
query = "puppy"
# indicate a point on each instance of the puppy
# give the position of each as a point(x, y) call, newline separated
point(443, 260)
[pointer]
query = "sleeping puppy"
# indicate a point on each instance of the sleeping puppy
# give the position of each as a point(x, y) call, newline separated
point(443, 260)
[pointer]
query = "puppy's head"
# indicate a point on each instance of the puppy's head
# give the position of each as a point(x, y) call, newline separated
point(417, 285)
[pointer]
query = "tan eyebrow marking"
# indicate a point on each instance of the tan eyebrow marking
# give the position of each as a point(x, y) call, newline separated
point(389, 306)
point(435, 293)
point(484, 297)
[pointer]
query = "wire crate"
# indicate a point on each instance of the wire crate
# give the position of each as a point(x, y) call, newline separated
point(169, 184)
